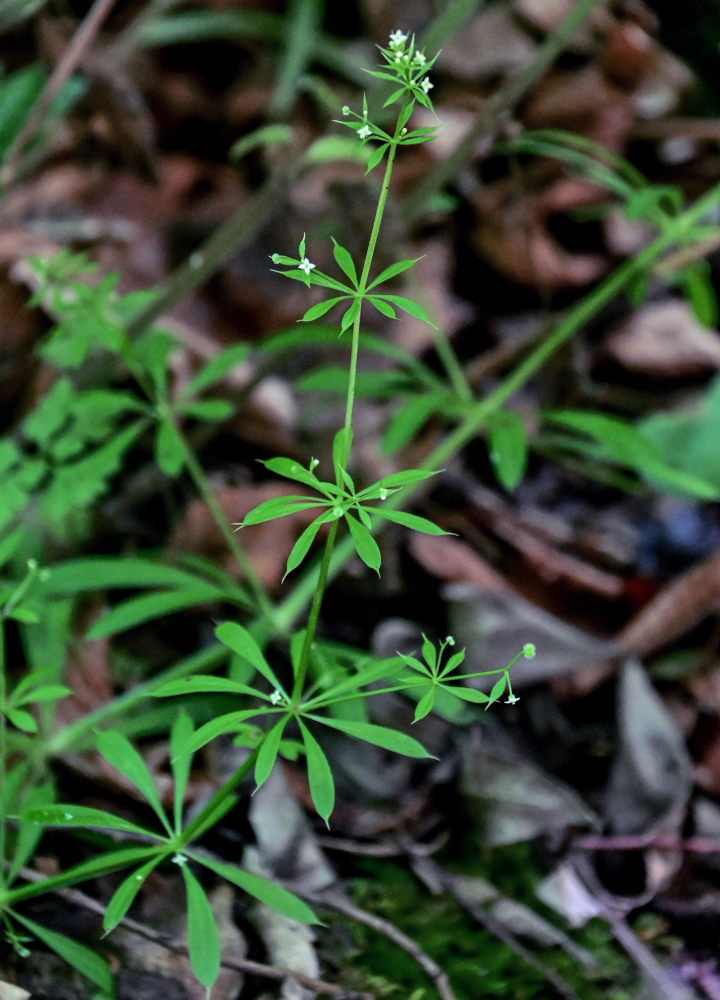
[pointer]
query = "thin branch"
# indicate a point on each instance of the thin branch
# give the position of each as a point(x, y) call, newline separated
point(690, 845)
point(69, 61)
point(335, 901)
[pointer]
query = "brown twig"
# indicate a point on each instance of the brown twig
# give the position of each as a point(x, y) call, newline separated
point(335, 901)
point(71, 58)
point(433, 875)
point(690, 845)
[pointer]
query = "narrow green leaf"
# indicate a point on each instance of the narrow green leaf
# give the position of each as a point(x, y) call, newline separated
point(429, 653)
point(116, 573)
point(466, 693)
point(119, 752)
point(498, 689)
point(268, 751)
point(425, 705)
point(414, 664)
point(403, 478)
point(408, 306)
point(121, 900)
point(169, 449)
point(209, 409)
point(345, 262)
point(364, 543)
point(453, 662)
point(217, 368)
point(342, 444)
point(81, 816)
point(376, 157)
point(382, 306)
point(290, 469)
point(409, 417)
point(320, 308)
point(388, 739)
point(204, 684)
point(393, 271)
point(181, 755)
point(350, 315)
point(230, 722)
point(138, 610)
point(203, 939)
point(87, 963)
point(21, 719)
point(508, 448)
point(302, 546)
point(269, 510)
point(46, 692)
point(322, 786)
point(239, 640)
point(412, 521)
point(267, 892)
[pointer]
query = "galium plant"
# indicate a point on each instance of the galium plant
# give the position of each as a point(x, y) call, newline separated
point(325, 689)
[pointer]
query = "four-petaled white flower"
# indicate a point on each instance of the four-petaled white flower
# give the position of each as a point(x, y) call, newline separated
point(306, 266)
point(397, 38)
point(365, 132)
point(419, 59)
point(426, 85)
point(512, 699)
point(275, 698)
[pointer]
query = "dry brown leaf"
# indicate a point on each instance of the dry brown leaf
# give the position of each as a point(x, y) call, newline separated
point(665, 339)
point(677, 609)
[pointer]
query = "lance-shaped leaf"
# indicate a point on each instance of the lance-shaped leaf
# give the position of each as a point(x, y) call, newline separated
point(269, 510)
point(498, 689)
point(376, 157)
point(379, 736)
point(455, 660)
point(409, 306)
point(390, 272)
point(382, 307)
point(230, 722)
point(288, 468)
point(90, 965)
point(239, 640)
point(218, 367)
point(119, 752)
point(364, 543)
point(467, 694)
point(267, 892)
point(268, 751)
point(204, 684)
point(302, 546)
point(320, 308)
point(412, 521)
point(320, 779)
point(203, 939)
point(345, 262)
point(82, 816)
point(181, 754)
point(414, 664)
point(507, 445)
point(350, 315)
point(425, 705)
point(403, 478)
point(122, 898)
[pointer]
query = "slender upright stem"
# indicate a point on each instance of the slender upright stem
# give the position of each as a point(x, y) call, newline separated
point(314, 615)
point(198, 825)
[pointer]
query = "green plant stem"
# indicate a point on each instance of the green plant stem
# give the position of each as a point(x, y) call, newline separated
point(197, 474)
point(3, 747)
point(362, 284)
point(287, 612)
point(299, 683)
point(197, 826)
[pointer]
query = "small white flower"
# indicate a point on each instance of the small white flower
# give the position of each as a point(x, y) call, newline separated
point(397, 39)
point(512, 699)
point(365, 132)
point(399, 57)
point(426, 85)
point(276, 697)
point(450, 641)
point(306, 266)
point(345, 110)
point(179, 859)
point(314, 462)
point(419, 59)
point(529, 650)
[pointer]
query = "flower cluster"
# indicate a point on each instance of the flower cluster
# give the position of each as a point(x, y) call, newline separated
point(407, 65)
